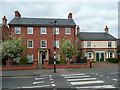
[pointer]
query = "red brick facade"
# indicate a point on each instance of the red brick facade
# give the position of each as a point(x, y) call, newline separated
point(37, 37)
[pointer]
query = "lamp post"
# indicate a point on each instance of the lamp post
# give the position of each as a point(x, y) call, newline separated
point(55, 46)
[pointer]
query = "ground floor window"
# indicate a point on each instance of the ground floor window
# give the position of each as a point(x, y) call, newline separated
point(30, 58)
point(110, 55)
point(58, 57)
point(89, 55)
point(17, 59)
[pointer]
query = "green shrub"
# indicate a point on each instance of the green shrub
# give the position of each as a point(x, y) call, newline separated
point(23, 60)
point(93, 61)
point(62, 60)
point(113, 60)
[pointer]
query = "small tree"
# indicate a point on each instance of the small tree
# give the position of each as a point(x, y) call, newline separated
point(68, 49)
point(12, 48)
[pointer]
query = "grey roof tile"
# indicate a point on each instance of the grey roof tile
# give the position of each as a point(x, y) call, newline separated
point(41, 22)
point(95, 36)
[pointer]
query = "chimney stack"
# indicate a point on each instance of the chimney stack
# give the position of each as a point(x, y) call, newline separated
point(78, 29)
point(17, 14)
point(106, 30)
point(70, 16)
point(4, 20)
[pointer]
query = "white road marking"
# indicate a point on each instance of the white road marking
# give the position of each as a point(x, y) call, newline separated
point(51, 79)
point(84, 82)
point(104, 86)
point(76, 76)
point(53, 84)
point(81, 79)
point(35, 86)
point(115, 79)
point(38, 82)
point(39, 78)
point(101, 75)
point(72, 74)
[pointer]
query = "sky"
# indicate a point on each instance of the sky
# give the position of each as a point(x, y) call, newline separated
point(91, 16)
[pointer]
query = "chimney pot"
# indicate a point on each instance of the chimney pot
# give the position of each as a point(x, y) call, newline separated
point(17, 14)
point(4, 20)
point(70, 16)
point(106, 30)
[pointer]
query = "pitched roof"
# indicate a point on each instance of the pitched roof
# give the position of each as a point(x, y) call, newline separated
point(41, 22)
point(118, 42)
point(95, 36)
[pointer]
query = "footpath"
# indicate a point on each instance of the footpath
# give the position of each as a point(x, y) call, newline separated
point(38, 72)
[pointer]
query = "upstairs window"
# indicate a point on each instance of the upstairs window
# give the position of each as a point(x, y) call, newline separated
point(109, 44)
point(57, 43)
point(17, 30)
point(56, 30)
point(88, 44)
point(30, 30)
point(67, 30)
point(43, 30)
point(43, 43)
point(30, 44)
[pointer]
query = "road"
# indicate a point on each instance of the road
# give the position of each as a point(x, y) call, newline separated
point(74, 79)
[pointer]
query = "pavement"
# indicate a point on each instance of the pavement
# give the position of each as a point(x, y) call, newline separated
point(38, 72)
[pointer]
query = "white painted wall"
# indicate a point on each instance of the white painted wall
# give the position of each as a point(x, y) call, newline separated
point(99, 44)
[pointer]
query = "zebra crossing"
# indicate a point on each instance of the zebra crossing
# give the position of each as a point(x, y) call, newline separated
point(81, 81)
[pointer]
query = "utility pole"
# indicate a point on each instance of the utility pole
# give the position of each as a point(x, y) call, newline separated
point(55, 46)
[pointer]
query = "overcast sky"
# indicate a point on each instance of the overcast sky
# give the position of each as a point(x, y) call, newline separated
point(90, 16)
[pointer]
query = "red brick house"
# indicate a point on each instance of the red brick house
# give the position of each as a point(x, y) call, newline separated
point(118, 47)
point(39, 35)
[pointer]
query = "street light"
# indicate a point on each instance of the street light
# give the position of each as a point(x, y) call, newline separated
point(55, 46)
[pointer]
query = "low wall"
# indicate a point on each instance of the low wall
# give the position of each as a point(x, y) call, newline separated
point(68, 65)
point(26, 67)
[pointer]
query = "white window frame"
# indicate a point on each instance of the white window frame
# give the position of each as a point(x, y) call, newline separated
point(57, 43)
point(28, 30)
point(58, 57)
point(28, 43)
point(66, 31)
point(89, 44)
point(17, 28)
point(108, 54)
point(109, 44)
point(30, 61)
point(44, 29)
point(17, 59)
point(56, 30)
point(45, 44)
point(88, 55)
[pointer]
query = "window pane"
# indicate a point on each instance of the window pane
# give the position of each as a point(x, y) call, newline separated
point(30, 30)
point(56, 43)
point(109, 44)
point(30, 44)
point(56, 30)
point(30, 58)
point(88, 44)
point(43, 43)
point(58, 57)
point(43, 30)
point(67, 30)
point(17, 30)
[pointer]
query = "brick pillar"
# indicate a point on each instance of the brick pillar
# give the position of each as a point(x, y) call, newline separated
point(68, 61)
point(35, 63)
point(45, 62)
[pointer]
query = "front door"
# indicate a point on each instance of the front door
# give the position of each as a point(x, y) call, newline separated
point(100, 56)
point(97, 56)
point(42, 57)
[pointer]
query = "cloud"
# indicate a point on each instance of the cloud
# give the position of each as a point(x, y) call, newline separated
point(91, 16)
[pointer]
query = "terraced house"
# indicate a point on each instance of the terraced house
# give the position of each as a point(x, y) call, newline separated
point(39, 35)
point(97, 46)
